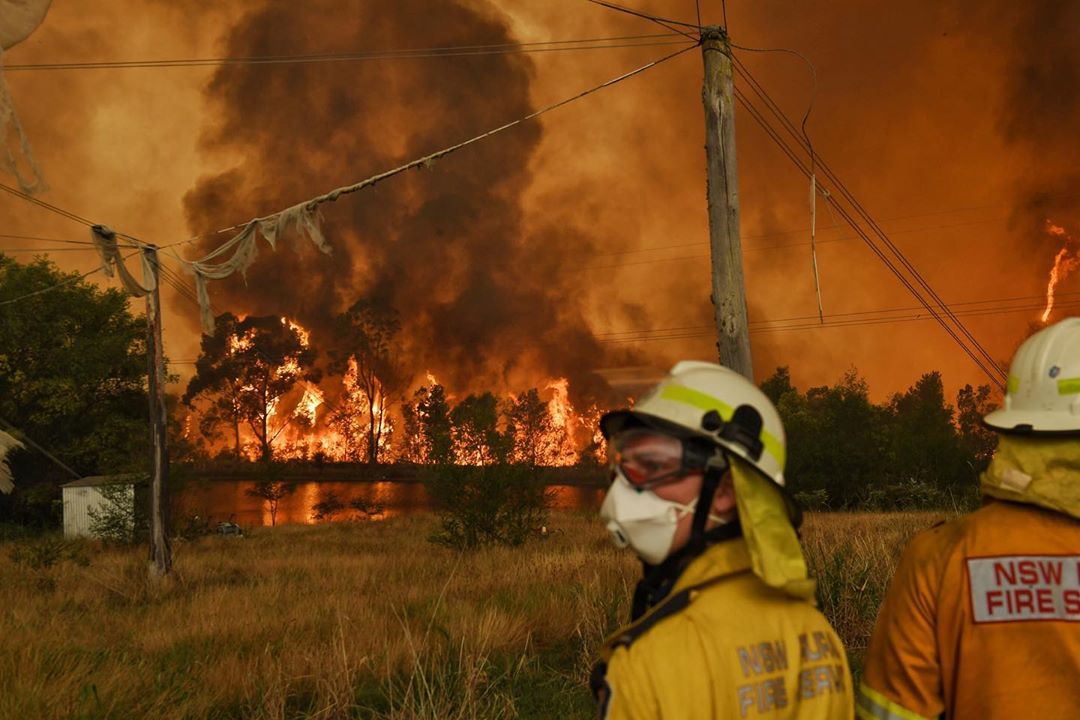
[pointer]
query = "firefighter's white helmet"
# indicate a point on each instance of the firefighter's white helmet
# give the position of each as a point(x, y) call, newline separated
point(708, 400)
point(1043, 391)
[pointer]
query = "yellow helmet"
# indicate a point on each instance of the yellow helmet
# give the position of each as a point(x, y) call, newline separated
point(701, 399)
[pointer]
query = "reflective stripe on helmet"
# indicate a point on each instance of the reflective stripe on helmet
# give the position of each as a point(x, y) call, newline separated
point(872, 705)
point(1069, 386)
point(1013, 385)
point(704, 401)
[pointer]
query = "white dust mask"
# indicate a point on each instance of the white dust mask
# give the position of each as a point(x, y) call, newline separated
point(642, 520)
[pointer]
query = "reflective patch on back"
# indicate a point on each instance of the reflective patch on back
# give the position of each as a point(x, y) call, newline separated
point(1013, 479)
point(1024, 588)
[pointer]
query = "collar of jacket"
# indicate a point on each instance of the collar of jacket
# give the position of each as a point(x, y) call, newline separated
point(718, 562)
point(1036, 471)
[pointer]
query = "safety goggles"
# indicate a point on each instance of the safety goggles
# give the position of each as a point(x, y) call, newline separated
point(648, 459)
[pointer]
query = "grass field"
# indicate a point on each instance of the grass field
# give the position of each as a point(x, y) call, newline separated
point(355, 620)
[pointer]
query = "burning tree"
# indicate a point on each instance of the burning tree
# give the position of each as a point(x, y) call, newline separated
point(367, 334)
point(428, 434)
point(246, 367)
point(538, 431)
point(474, 427)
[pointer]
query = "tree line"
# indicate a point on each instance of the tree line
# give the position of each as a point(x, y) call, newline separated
point(72, 378)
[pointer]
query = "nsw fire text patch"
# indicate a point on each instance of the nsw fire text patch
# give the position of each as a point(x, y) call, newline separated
point(1017, 588)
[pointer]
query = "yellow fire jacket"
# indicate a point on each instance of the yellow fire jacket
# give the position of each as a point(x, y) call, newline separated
point(722, 645)
point(982, 620)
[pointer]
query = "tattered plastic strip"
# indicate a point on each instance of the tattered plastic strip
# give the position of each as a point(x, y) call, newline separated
point(305, 215)
point(105, 242)
point(13, 159)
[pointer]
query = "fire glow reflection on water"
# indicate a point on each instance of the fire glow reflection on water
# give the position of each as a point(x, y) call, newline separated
point(221, 500)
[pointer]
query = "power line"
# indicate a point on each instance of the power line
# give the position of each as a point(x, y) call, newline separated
point(663, 22)
point(48, 206)
point(992, 306)
point(990, 362)
point(71, 280)
point(332, 196)
point(954, 327)
point(751, 248)
point(774, 135)
point(704, 331)
point(46, 239)
point(48, 249)
point(59, 211)
point(603, 43)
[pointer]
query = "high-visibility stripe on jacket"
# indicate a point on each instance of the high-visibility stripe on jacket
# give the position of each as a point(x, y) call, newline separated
point(981, 621)
point(736, 648)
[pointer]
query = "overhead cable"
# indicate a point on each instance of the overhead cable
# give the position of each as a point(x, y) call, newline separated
point(672, 25)
point(242, 247)
point(71, 280)
point(951, 324)
point(602, 43)
point(989, 361)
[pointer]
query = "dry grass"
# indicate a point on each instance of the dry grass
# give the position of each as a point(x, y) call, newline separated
point(853, 556)
point(356, 621)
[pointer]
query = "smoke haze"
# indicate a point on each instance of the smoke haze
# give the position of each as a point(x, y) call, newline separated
point(534, 254)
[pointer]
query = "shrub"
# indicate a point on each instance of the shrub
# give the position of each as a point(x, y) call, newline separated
point(116, 520)
point(488, 504)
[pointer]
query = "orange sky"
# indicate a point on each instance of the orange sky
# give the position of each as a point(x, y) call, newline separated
point(946, 125)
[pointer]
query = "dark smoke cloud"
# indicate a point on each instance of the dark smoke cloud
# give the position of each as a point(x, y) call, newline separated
point(483, 298)
point(1042, 112)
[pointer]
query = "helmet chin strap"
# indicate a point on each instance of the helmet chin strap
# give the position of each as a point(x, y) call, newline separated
point(696, 544)
point(658, 580)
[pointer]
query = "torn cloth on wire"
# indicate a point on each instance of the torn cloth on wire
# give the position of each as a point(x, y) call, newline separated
point(304, 216)
point(105, 241)
point(14, 159)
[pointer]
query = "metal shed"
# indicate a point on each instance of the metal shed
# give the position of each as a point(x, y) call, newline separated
point(92, 493)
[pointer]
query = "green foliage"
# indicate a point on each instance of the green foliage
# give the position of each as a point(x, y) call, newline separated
point(474, 427)
point(490, 504)
point(428, 437)
point(979, 442)
point(914, 451)
point(244, 368)
point(42, 558)
point(72, 377)
point(116, 520)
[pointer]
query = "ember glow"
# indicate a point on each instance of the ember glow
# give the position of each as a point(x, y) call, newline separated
point(1064, 264)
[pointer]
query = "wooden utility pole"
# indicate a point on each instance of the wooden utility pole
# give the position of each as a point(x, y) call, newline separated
point(160, 552)
point(728, 291)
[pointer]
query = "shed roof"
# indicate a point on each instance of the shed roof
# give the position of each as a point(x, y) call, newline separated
point(99, 480)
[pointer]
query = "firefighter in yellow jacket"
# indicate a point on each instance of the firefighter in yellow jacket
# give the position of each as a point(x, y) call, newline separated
point(982, 618)
point(723, 623)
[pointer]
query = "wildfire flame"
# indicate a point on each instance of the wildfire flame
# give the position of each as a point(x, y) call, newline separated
point(562, 448)
point(1063, 266)
point(308, 407)
point(337, 428)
